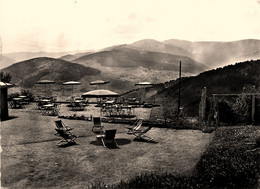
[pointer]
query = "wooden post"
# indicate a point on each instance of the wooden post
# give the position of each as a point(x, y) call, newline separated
point(179, 94)
point(202, 107)
point(253, 109)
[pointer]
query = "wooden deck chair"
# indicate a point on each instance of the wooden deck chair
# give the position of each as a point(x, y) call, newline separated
point(61, 126)
point(66, 137)
point(97, 126)
point(135, 127)
point(109, 136)
point(140, 134)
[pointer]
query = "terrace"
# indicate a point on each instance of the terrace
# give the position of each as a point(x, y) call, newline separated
point(30, 158)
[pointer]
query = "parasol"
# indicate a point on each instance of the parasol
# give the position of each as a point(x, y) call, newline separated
point(144, 84)
point(100, 94)
point(5, 85)
point(45, 82)
point(99, 82)
point(72, 83)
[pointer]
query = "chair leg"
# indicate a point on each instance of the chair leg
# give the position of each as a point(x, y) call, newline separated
point(116, 143)
point(57, 144)
point(145, 137)
point(103, 142)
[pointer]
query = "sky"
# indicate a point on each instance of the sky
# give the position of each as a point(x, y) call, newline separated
point(67, 25)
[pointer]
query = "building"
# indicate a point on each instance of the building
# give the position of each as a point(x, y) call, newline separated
point(3, 100)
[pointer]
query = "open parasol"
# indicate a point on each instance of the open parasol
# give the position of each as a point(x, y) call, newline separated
point(72, 83)
point(99, 82)
point(5, 85)
point(100, 93)
point(45, 82)
point(144, 84)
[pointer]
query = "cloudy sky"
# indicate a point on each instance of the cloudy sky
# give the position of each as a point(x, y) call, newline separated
point(64, 25)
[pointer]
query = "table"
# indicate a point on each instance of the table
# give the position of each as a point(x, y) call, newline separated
point(17, 103)
point(49, 109)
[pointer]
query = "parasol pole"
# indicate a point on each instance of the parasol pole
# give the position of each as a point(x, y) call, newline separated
point(179, 93)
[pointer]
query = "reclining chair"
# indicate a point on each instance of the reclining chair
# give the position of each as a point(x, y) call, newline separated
point(97, 126)
point(136, 126)
point(61, 126)
point(137, 130)
point(140, 134)
point(66, 137)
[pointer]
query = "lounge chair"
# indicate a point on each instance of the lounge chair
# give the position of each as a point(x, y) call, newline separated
point(97, 126)
point(135, 127)
point(109, 136)
point(140, 134)
point(66, 137)
point(61, 126)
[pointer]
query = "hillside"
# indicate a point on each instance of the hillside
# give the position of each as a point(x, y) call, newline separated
point(230, 79)
point(217, 54)
point(125, 57)
point(156, 46)
point(71, 57)
point(26, 73)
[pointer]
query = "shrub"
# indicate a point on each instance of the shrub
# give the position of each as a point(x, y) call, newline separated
point(226, 115)
point(27, 93)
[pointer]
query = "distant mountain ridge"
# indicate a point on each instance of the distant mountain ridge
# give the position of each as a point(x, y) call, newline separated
point(22, 56)
point(217, 54)
point(156, 46)
point(127, 57)
point(210, 53)
point(27, 73)
point(144, 60)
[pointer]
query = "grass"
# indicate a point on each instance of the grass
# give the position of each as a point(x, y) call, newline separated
point(30, 159)
point(231, 161)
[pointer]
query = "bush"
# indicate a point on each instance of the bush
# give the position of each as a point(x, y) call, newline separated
point(226, 114)
point(27, 93)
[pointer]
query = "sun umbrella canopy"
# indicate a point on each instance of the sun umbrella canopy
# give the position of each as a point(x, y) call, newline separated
point(144, 83)
point(45, 82)
point(98, 82)
point(5, 85)
point(72, 83)
point(100, 93)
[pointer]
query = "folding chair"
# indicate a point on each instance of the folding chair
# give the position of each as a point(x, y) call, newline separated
point(109, 136)
point(61, 126)
point(66, 135)
point(97, 126)
point(140, 134)
point(135, 127)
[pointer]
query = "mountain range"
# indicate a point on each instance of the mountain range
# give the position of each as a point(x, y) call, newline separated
point(126, 64)
point(212, 54)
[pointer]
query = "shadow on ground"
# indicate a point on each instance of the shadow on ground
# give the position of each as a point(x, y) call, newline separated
point(9, 118)
point(120, 142)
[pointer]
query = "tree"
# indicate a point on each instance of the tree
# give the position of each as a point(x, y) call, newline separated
point(5, 77)
point(241, 107)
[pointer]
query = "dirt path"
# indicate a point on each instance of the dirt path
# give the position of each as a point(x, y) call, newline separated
point(30, 158)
